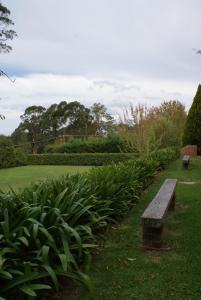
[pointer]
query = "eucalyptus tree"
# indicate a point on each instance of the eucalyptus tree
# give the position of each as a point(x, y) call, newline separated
point(6, 33)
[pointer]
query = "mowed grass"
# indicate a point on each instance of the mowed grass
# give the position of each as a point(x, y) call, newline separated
point(21, 177)
point(123, 270)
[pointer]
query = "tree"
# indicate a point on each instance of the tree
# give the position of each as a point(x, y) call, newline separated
point(70, 118)
point(54, 119)
point(102, 121)
point(21, 139)
point(5, 32)
point(151, 128)
point(40, 126)
point(173, 112)
point(5, 35)
point(77, 118)
point(135, 133)
point(33, 125)
point(192, 132)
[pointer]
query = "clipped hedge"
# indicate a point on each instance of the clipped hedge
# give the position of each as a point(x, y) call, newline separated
point(49, 229)
point(81, 159)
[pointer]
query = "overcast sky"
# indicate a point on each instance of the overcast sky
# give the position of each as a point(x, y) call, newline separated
point(109, 51)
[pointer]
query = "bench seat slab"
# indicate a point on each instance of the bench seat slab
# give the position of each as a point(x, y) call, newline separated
point(156, 210)
point(154, 214)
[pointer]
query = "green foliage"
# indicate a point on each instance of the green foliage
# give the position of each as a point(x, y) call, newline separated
point(192, 132)
point(111, 144)
point(20, 139)
point(102, 121)
point(145, 130)
point(164, 156)
point(126, 180)
point(20, 157)
point(7, 153)
point(78, 159)
point(49, 229)
point(33, 124)
point(41, 126)
point(50, 234)
point(9, 156)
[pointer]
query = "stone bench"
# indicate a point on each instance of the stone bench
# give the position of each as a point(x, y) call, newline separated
point(154, 215)
point(185, 161)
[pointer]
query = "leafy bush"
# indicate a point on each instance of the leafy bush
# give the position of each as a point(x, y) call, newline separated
point(47, 231)
point(149, 129)
point(112, 144)
point(7, 153)
point(122, 184)
point(48, 237)
point(82, 159)
point(10, 156)
point(20, 157)
point(164, 156)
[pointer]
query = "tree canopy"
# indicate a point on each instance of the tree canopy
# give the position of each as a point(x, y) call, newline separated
point(40, 126)
point(147, 129)
point(5, 32)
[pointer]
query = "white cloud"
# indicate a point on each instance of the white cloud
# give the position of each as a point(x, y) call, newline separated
point(111, 51)
point(115, 94)
point(101, 38)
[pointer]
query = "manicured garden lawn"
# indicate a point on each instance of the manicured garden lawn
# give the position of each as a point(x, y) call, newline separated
point(23, 176)
point(123, 270)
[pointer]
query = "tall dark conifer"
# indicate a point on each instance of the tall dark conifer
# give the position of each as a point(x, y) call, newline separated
point(192, 131)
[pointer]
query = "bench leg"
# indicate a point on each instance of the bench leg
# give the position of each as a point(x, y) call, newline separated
point(172, 204)
point(185, 166)
point(152, 237)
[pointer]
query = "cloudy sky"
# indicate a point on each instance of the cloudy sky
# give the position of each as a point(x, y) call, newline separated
point(111, 51)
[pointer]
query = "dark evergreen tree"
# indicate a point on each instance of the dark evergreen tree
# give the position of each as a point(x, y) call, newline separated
point(192, 131)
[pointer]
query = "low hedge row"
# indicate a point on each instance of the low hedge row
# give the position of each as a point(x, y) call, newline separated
point(48, 230)
point(81, 159)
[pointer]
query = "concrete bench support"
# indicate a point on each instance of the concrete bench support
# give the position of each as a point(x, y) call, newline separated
point(185, 161)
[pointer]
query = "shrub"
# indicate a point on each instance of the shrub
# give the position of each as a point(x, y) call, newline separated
point(192, 131)
point(20, 157)
point(47, 231)
point(7, 153)
point(10, 156)
point(82, 159)
point(49, 235)
point(164, 156)
point(111, 144)
point(122, 184)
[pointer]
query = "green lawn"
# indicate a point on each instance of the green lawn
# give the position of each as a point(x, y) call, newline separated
point(23, 176)
point(123, 270)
